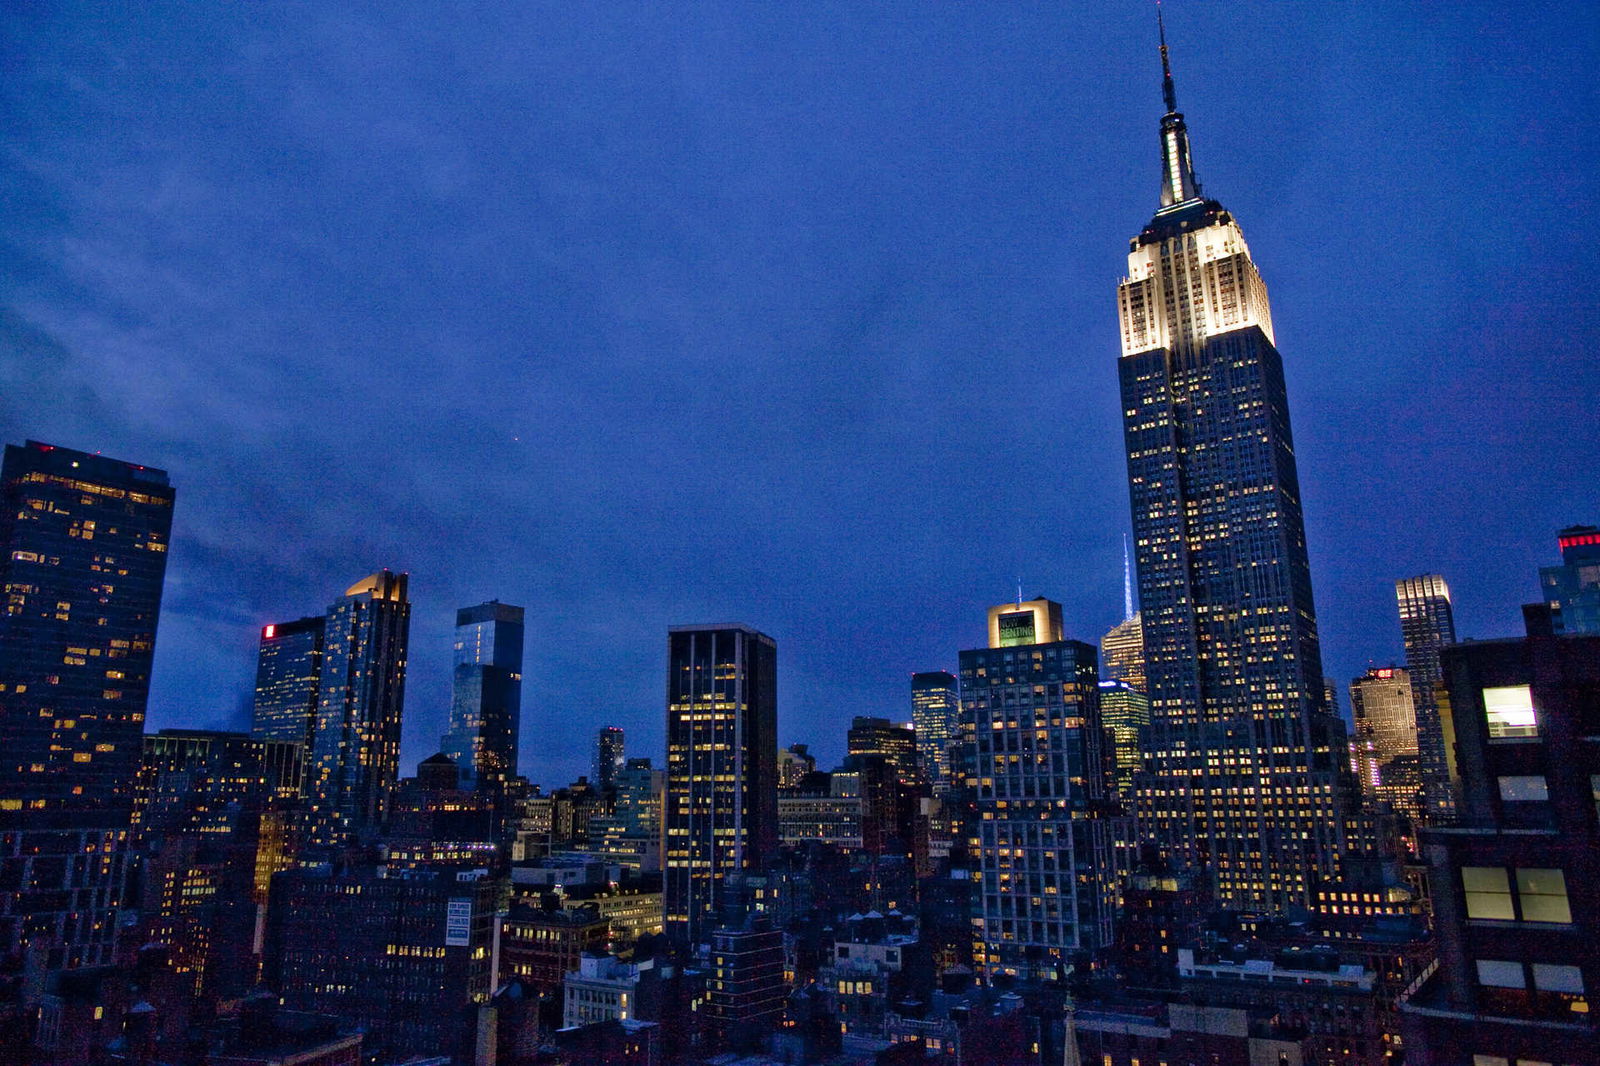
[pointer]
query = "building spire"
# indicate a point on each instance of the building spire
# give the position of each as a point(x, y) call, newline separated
point(1178, 183)
point(1127, 582)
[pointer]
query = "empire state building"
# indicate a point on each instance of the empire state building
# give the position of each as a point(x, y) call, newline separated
point(1245, 774)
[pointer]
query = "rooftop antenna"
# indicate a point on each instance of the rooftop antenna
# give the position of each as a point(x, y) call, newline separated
point(1169, 93)
point(1019, 590)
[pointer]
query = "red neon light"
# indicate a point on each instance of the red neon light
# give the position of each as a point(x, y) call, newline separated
point(1581, 538)
point(267, 633)
point(1386, 672)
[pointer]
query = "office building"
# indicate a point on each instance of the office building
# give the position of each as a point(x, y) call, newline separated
point(609, 757)
point(631, 833)
point(1427, 626)
point(1382, 702)
point(486, 699)
point(1122, 653)
point(1515, 879)
point(794, 763)
point(894, 743)
point(83, 552)
point(1044, 862)
point(935, 711)
point(722, 761)
point(288, 679)
point(1249, 777)
point(1572, 590)
point(355, 751)
point(1126, 712)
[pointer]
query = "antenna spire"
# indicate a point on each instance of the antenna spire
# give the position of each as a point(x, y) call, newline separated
point(1168, 92)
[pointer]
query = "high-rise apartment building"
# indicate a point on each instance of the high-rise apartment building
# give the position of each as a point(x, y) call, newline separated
point(1572, 590)
point(935, 714)
point(1427, 626)
point(486, 699)
point(722, 760)
point(609, 756)
point(288, 676)
point(1043, 858)
point(355, 752)
point(1247, 767)
point(896, 744)
point(83, 552)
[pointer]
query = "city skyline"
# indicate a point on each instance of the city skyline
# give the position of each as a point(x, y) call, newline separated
point(871, 499)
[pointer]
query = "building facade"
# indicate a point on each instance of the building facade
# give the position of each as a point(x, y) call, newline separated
point(355, 751)
point(1572, 590)
point(1427, 627)
point(721, 806)
point(1248, 774)
point(1382, 702)
point(486, 697)
point(610, 756)
point(1043, 850)
point(83, 553)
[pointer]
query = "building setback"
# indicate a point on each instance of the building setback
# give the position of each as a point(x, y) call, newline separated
point(83, 553)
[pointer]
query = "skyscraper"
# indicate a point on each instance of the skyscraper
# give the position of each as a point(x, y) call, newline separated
point(1044, 872)
point(1384, 707)
point(288, 676)
point(609, 756)
point(1122, 653)
point(722, 757)
point(935, 710)
point(83, 553)
point(1427, 626)
point(486, 699)
point(1246, 765)
point(356, 749)
point(1573, 589)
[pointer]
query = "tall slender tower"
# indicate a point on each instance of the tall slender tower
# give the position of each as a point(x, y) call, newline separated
point(722, 768)
point(1244, 761)
point(486, 700)
point(83, 552)
point(610, 745)
point(356, 749)
point(935, 708)
point(1427, 626)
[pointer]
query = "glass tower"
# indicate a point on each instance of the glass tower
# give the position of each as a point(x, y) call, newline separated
point(609, 758)
point(1045, 877)
point(1248, 776)
point(935, 709)
point(83, 553)
point(486, 700)
point(721, 812)
point(288, 673)
point(1427, 626)
point(355, 752)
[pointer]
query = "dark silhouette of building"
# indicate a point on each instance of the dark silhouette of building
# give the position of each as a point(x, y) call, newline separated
point(405, 954)
point(355, 751)
point(486, 701)
point(83, 552)
point(609, 757)
point(1233, 663)
point(721, 801)
point(1515, 881)
point(745, 991)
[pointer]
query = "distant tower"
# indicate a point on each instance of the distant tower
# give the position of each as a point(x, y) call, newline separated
point(1573, 589)
point(288, 676)
point(722, 760)
point(1233, 665)
point(1383, 704)
point(608, 756)
point(935, 712)
point(1032, 700)
point(1122, 649)
point(356, 749)
point(1427, 626)
point(486, 701)
point(83, 553)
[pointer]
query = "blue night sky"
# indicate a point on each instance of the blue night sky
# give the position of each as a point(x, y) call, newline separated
point(801, 315)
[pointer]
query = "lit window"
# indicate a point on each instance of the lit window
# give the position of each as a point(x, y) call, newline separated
point(1509, 711)
point(1488, 892)
point(1543, 894)
point(1500, 973)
